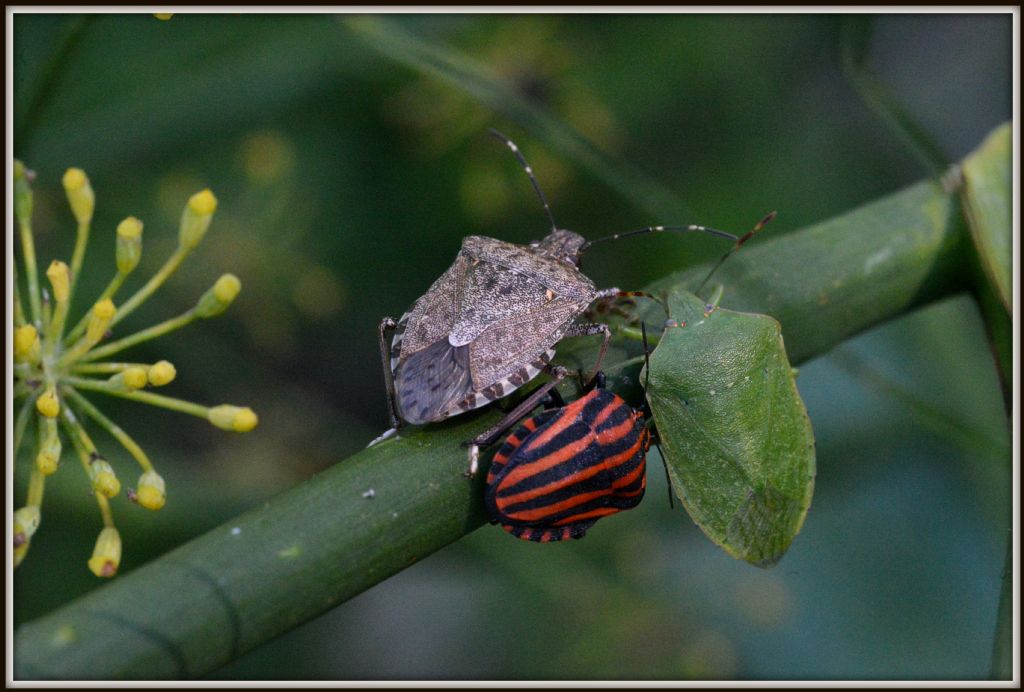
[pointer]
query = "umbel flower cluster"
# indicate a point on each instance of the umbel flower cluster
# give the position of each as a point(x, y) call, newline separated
point(57, 359)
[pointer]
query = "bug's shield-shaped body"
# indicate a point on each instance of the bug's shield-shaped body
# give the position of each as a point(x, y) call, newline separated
point(487, 326)
point(564, 469)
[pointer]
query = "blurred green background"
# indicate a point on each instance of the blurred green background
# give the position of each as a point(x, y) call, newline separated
point(346, 181)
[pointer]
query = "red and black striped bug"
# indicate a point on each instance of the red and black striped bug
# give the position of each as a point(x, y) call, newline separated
point(565, 468)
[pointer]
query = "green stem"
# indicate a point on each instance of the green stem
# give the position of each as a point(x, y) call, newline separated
point(50, 74)
point(150, 398)
point(28, 253)
point(19, 309)
point(105, 368)
point(169, 267)
point(156, 331)
point(21, 422)
point(85, 449)
point(105, 513)
point(108, 292)
point(78, 256)
point(36, 486)
point(55, 327)
point(856, 32)
point(76, 432)
point(326, 540)
point(110, 426)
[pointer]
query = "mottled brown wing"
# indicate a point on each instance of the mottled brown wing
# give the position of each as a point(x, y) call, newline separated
point(431, 381)
point(506, 346)
point(433, 315)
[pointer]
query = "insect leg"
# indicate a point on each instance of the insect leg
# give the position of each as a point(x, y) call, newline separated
point(388, 324)
point(606, 293)
point(491, 435)
point(588, 330)
point(654, 438)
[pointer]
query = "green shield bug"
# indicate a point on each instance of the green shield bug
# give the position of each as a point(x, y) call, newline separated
point(734, 432)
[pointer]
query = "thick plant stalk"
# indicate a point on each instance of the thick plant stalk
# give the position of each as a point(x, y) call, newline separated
point(379, 511)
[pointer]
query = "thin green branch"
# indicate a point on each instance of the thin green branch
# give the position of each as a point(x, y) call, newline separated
point(105, 368)
point(148, 334)
point(36, 487)
point(854, 39)
point(86, 450)
point(19, 309)
point(78, 255)
point(157, 280)
point(930, 416)
point(110, 426)
point(150, 398)
point(28, 254)
point(21, 422)
point(50, 73)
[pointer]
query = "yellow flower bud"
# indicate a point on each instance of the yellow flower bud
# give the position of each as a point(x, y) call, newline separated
point(135, 377)
point(196, 218)
point(104, 482)
point(203, 203)
point(106, 556)
point(60, 279)
point(48, 458)
point(129, 244)
point(129, 379)
point(48, 404)
point(161, 373)
point(129, 229)
point(219, 297)
point(26, 521)
point(22, 191)
point(80, 195)
point(151, 492)
point(227, 287)
point(102, 313)
point(26, 344)
point(236, 418)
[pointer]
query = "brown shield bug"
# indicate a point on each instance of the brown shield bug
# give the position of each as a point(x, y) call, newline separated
point(491, 322)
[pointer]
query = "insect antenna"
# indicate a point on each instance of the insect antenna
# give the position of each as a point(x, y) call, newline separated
point(647, 379)
point(529, 172)
point(692, 228)
point(739, 243)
